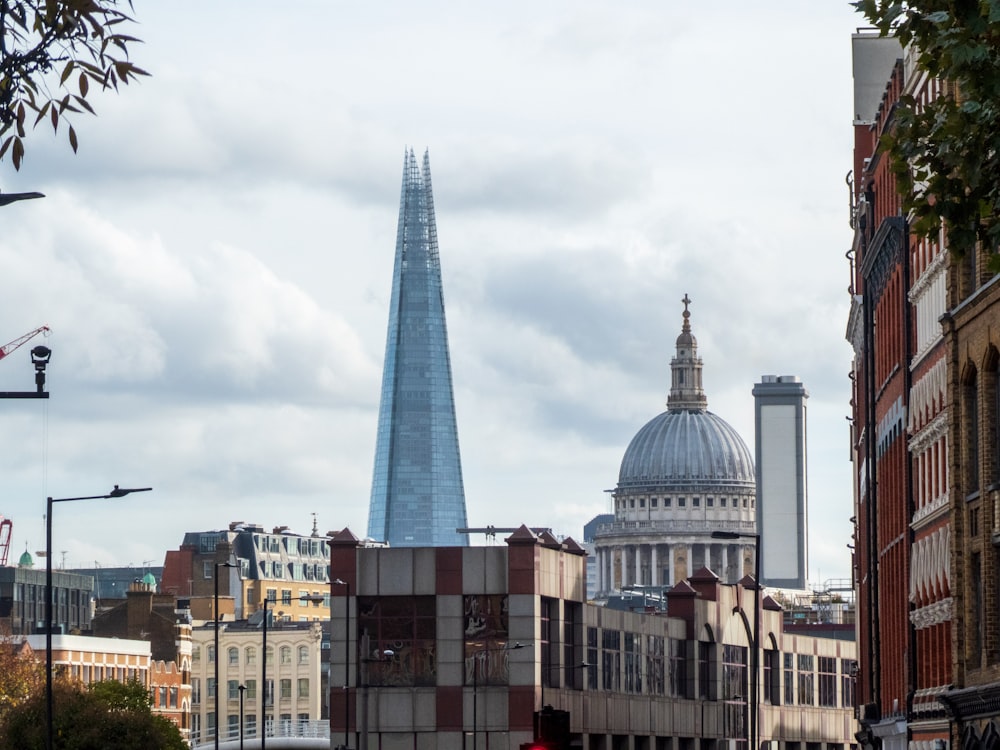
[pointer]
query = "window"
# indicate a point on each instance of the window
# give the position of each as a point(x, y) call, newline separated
point(233, 654)
point(722, 502)
point(211, 654)
point(734, 672)
point(303, 654)
point(234, 725)
point(666, 502)
point(827, 681)
point(207, 570)
point(172, 699)
point(848, 670)
point(210, 721)
point(286, 688)
point(611, 659)
point(408, 626)
point(633, 663)
point(652, 503)
point(250, 693)
point(286, 596)
point(272, 595)
point(270, 656)
point(681, 502)
point(789, 679)
point(971, 403)
point(286, 724)
point(162, 703)
point(772, 677)
point(655, 680)
point(678, 669)
point(549, 639)
point(642, 502)
point(710, 502)
point(592, 658)
point(806, 697)
point(707, 690)
point(210, 687)
point(251, 726)
point(233, 690)
point(286, 654)
point(251, 656)
point(303, 687)
point(696, 502)
point(196, 653)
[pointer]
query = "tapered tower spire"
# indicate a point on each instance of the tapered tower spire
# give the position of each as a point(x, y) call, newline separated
point(418, 498)
point(686, 393)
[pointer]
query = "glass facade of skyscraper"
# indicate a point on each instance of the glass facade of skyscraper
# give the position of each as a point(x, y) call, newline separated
point(418, 498)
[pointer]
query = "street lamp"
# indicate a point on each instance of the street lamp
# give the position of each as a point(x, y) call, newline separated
point(755, 654)
point(242, 689)
point(363, 662)
point(475, 683)
point(314, 598)
point(116, 492)
point(7, 198)
point(347, 656)
point(263, 677)
point(215, 614)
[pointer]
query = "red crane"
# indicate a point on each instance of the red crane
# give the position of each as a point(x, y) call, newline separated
point(5, 528)
point(16, 343)
point(6, 525)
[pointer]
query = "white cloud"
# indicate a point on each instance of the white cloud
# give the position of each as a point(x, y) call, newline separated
point(216, 262)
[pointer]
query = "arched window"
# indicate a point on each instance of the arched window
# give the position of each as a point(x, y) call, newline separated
point(211, 654)
point(970, 417)
point(286, 654)
point(250, 654)
point(270, 655)
point(303, 654)
point(233, 655)
point(991, 401)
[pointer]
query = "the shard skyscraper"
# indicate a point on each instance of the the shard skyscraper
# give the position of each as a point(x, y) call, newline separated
point(417, 494)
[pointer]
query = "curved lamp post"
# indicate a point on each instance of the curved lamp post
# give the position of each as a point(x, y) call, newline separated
point(116, 492)
point(475, 683)
point(753, 729)
point(315, 599)
point(215, 614)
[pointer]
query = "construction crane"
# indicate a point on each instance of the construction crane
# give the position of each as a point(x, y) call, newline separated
point(6, 526)
point(18, 342)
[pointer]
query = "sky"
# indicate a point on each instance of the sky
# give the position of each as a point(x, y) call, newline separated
point(215, 263)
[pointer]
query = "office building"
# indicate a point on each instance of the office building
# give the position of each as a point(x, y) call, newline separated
point(462, 647)
point(417, 497)
point(782, 508)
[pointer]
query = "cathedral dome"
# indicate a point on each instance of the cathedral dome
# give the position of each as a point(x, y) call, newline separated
point(686, 449)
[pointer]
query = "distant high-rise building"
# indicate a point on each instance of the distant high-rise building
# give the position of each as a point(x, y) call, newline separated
point(780, 415)
point(418, 498)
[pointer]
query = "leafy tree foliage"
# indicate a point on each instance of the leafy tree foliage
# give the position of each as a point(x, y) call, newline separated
point(21, 675)
point(106, 716)
point(51, 53)
point(946, 154)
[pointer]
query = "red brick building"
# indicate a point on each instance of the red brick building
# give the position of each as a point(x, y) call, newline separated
point(900, 434)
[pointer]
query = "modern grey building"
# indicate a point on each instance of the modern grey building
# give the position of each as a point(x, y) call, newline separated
point(780, 418)
point(418, 498)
